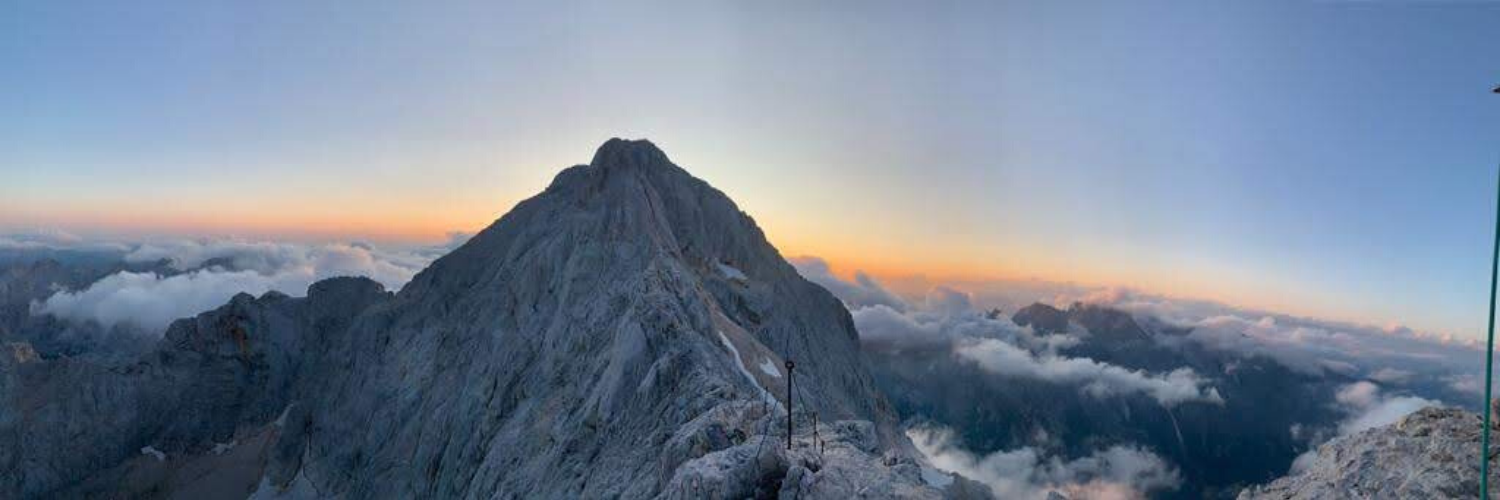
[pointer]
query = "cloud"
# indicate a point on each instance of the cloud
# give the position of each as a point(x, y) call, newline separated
point(948, 319)
point(1368, 407)
point(1390, 354)
point(216, 270)
point(881, 325)
point(863, 291)
point(455, 239)
point(1391, 376)
point(1097, 379)
point(1114, 473)
point(150, 302)
point(54, 239)
point(948, 302)
point(941, 323)
point(1293, 348)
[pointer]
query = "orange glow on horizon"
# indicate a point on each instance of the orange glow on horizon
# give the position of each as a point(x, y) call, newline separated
point(897, 264)
point(386, 225)
point(885, 262)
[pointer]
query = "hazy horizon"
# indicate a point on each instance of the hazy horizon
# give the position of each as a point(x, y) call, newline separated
point(1332, 160)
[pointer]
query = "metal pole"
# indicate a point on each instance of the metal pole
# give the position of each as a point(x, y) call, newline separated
point(1489, 352)
point(817, 443)
point(789, 367)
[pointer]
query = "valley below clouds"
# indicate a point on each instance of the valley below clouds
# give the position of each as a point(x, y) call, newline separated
point(1112, 393)
point(140, 287)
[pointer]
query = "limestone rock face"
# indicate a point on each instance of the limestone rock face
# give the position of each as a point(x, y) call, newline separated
point(1432, 453)
point(213, 378)
point(623, 334)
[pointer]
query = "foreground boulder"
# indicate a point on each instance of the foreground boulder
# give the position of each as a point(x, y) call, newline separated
point(1431, 453)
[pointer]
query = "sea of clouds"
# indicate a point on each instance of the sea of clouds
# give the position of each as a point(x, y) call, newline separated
point(201, 274)
point(1386, 364)
point(948, 317)
point(1114, 473)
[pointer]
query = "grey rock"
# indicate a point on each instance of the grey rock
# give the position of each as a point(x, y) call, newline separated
point(589, 344)
point(1432, 453)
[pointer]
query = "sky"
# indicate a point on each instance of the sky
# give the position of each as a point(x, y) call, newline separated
point(1331, 158)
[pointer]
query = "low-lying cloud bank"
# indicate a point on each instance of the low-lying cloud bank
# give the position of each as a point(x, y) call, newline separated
point(947, 319)
point(203, 274)
point(53, 239)
point(1395, 356)
point(1097, 379)
point(1391, 355)
point(861, 292)
point(1368, 407)
point(1114, 473)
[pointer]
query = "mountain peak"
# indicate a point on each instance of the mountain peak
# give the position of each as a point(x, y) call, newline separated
point(620, 153)
point(620, 335)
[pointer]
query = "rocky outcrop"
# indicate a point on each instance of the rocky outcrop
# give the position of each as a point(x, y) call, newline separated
point(1043, 318)
point(1432, 453)
point(624, 334)
point(213, 379)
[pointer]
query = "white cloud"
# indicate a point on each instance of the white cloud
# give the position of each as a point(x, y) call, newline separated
point(1097, 379)
point(1359, 394)
point(1386, 412)
point(55, 239)
point(884, 327)
point(1391, 354)
point(863, 291)
point(946, 301)
point(1303, 462)
point(1465, 383)
point(1368, 407)
point(152, 301)
point(947, 318)
point(1391, 376)
point(1257, 338)
point(1114, 473)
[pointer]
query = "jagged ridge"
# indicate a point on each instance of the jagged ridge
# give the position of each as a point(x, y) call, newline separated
point(582, 346)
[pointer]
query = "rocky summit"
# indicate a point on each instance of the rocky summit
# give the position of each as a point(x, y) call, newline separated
point(1432, 453)
point(626, 333)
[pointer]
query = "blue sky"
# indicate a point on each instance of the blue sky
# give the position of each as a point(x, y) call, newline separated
point(1326, 158)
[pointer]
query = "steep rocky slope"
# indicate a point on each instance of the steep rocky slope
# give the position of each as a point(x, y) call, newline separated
point(1432, 453)
point(621, 335)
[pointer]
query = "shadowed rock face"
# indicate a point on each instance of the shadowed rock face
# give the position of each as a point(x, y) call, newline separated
point(209, 380)
point(1043, 318)
point(621, 334)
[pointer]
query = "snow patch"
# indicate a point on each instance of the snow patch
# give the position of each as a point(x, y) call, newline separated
point(152, 451)
point(739, 363)
point(220, 448)
point(281, 420)
point(936, 478)
point(769, 368)
point(731, 273)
